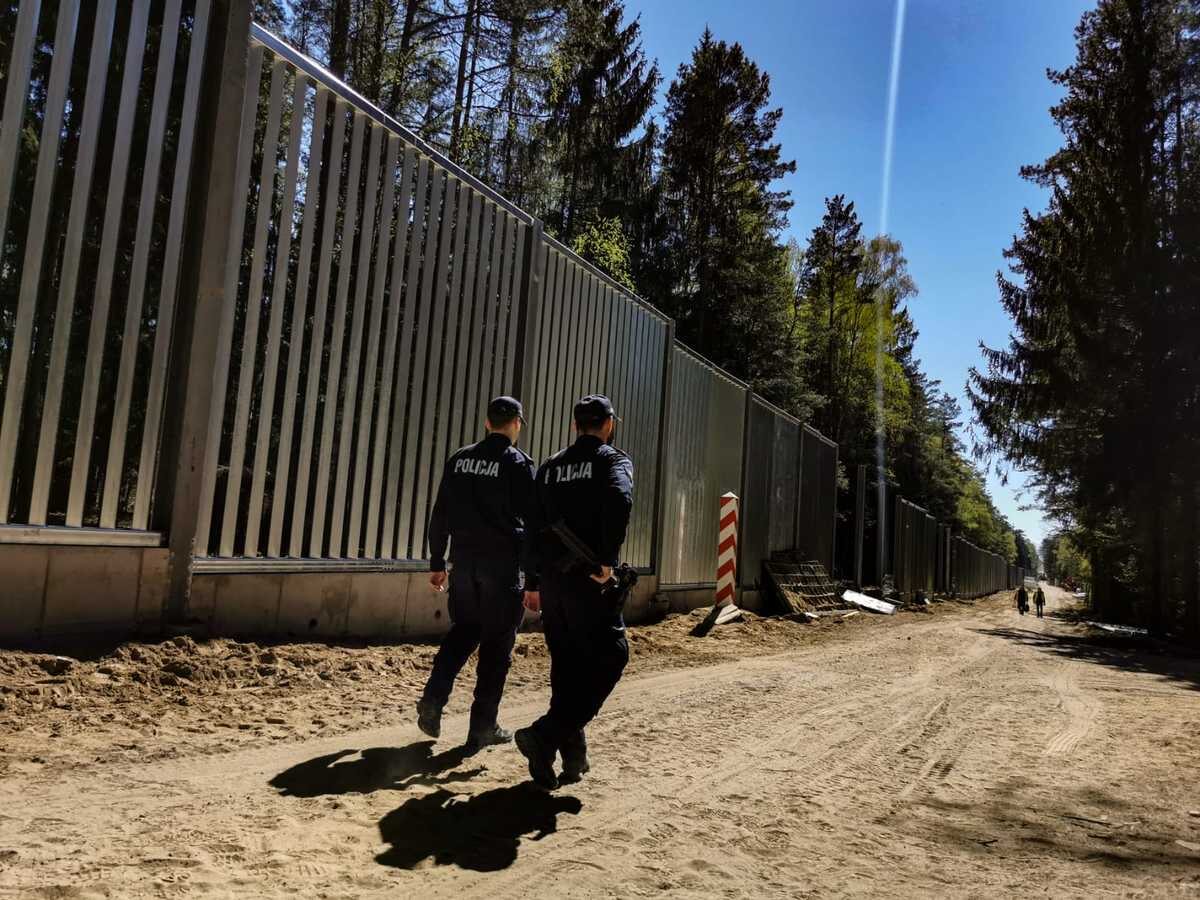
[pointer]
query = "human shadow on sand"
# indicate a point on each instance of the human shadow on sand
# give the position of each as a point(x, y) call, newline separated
point(374, 769)
point(481, 832)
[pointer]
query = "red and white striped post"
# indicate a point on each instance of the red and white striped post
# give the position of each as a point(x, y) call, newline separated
point(727, 549)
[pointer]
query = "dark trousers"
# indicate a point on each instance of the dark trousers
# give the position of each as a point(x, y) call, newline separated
point(1040, 607)
point(588, 653)
point(485, 613)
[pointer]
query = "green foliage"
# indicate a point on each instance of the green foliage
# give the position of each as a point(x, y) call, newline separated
point(603, 243)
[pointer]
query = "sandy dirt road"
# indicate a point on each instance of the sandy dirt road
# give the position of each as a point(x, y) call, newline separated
point(973, 754)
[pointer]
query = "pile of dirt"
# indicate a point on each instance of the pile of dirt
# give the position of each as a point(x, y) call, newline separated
point(182, 697)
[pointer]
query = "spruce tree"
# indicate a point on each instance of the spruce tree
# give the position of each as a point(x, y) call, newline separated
point(730, 289)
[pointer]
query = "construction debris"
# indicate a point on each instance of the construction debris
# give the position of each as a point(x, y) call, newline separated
point(868, 602)
point(798, 585)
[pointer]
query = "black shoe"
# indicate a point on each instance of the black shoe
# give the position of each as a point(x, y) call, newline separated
point(429, 718)
point(575, 759)
point(486, 737)
point(541, 758)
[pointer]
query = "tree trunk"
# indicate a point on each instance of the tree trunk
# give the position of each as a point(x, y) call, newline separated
point(460, 81)
point(339, 37)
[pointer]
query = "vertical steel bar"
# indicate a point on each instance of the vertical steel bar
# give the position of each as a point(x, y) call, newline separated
point(81, 192)
point(333, 380)
point(167, 299)
point(502, 301)
point(395, 483)
point(573, 362)
point(539, 388)
point(20, 63)
point(279, 290)
point(387, 373)
point(237, 229)
point(290, 401)
point(370, 369)
point(426, 464)
point(558, 359)
point(330, 202)
point(21, 347)
point(521, 233)
point(435, 248)
point(122, 138)
point(492, 307)
point(470, 409)
point(358, 312)
point(449, 363)
point(118, 433)
point(461, 407)
point(254, 295)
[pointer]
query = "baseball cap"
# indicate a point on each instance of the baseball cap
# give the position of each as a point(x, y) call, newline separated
point(504, 408)
point(595, 407)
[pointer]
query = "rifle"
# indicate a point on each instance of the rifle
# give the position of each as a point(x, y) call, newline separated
point(579, 555)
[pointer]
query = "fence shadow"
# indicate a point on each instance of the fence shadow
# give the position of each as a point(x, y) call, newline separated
point(1083, 825)
point(1132, 654)
point(376, 769)
point(482, 833)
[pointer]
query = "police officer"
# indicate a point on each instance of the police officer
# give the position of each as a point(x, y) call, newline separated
point(588, 487)
point(481, 506)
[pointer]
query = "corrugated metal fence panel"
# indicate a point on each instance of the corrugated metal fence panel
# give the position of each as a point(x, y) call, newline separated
point(706, 420)
point(754, 542)
point(371, 311)
point(818, 497)
point(594, 337)
point(97, 133)
point(785, 484)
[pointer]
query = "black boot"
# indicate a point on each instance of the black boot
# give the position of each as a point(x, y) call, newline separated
point(575, 758)
point(486, 737)
point(540, 757)
point(429, 718)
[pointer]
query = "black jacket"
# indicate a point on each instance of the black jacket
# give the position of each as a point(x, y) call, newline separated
point(588, 486)
point(482, 504)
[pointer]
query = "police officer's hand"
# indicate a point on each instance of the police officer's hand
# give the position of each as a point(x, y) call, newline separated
point(533, 601)
point(437, 580)
point(605, 574)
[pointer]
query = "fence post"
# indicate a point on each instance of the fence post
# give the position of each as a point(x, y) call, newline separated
point(664, 433)
point(530, 310)
point(187, 420)
point(860, 514)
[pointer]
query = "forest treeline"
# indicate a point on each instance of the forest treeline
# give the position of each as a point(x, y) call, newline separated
point(673, 188)
point(1098, 390)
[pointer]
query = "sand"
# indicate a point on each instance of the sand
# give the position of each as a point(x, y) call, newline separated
point(958, 752)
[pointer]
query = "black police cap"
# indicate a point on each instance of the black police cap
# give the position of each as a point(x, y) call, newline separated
point(594, 408)
point(504, 408)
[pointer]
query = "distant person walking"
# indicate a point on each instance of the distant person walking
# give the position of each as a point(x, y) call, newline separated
point(1022, 600)
point(481, 508)
point(1039, 600)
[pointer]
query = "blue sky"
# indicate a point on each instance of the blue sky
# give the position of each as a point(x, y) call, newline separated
point(972, 107)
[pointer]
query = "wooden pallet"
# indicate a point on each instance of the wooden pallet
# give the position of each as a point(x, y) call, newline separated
point(801, 586)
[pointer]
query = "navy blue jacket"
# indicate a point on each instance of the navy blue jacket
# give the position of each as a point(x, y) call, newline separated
point(482, 504)
point(589, 486)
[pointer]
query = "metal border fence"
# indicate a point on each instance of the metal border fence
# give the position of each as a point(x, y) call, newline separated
point(246, 314)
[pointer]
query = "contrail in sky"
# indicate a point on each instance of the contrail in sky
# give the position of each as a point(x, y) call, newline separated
point(890, 130)
point(889, 133)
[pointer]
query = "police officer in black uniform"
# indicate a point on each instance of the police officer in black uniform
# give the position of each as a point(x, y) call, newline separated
point(481, 507)
point(588, 487)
